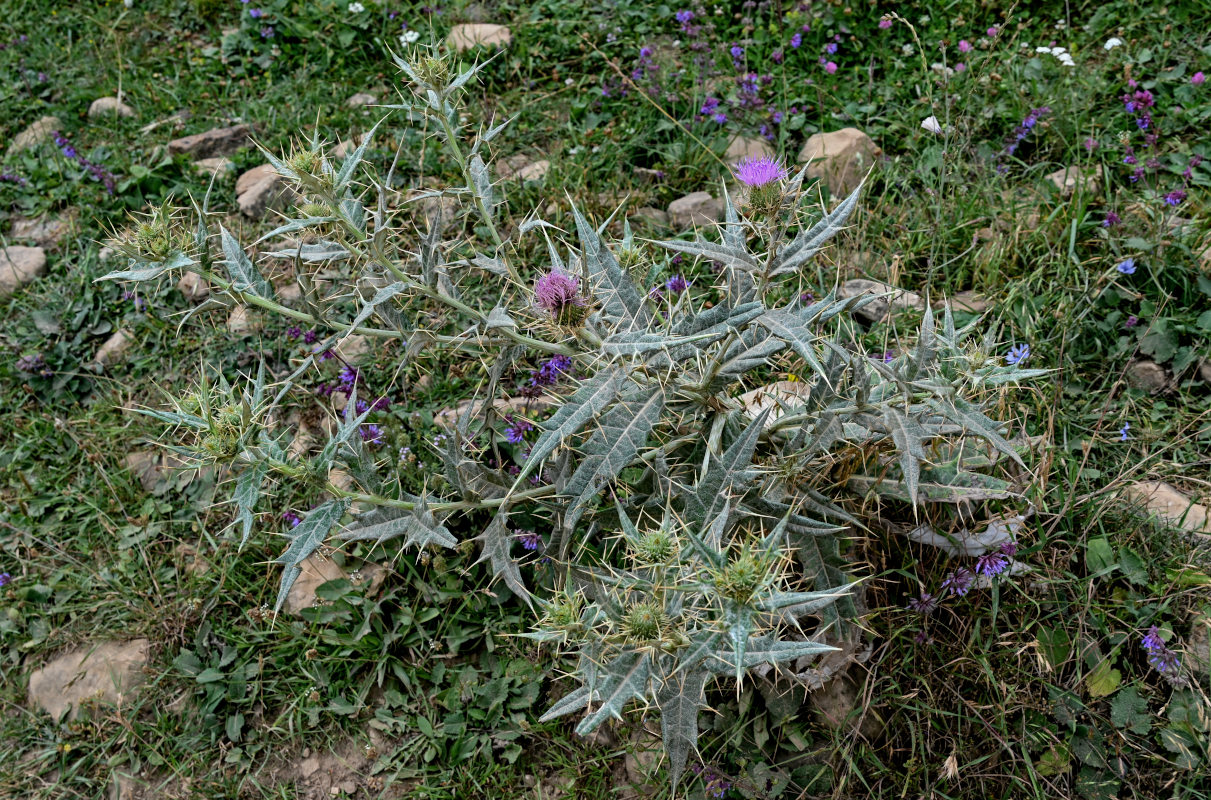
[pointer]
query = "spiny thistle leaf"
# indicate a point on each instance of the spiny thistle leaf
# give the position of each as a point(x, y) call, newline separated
point(418, 527)
point(304, 539)
point(381, 296)
point(149, 271)
point(623, 430)
point(680, 698)
point(963, 413)
point(247, 492)
point(767, 650)
point(908, 436)
point(245, 276)
point(622, 680)
point(587, 402)
point(810, 242)
point(725, 254)
point(725, 472)
point(620, 300)
point(496, 543)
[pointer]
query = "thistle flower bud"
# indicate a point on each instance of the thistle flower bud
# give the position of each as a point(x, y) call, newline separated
point(644, 622)
point(656, 547)
point(156, 237)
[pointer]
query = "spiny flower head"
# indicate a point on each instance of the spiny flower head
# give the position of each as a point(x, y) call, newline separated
point(758, 172)
point(558, 293)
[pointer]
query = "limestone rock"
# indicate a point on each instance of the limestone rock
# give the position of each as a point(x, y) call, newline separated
point(839, 159)
point(43, 231)
point(696, 208)
point(900, 299)
point(521, 168)
point(645, 175)
point(528, 407)
point(104, 106)
point(214, 142)
point(18, 266)
point(1069, 180)
point(1163, 500)
point(109, 671)
point(774, 397)
point(317, 570)
point(1146, 374)
point(643, 756)
point(653, 217)
point(970, 302)
point(242, 321)
point(38, 132)
point(112, 350)
point(354, 348)
point(190, 560)
point(260, 189)
point(218, 167)
point(1204, 370)
point(194, 287)
point(465, 37)
point(344, 148)
point(742, 148)
point(361, 99)
point(837, 705)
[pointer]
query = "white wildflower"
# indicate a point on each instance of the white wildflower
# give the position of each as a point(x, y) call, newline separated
point(932, 125)
point(942, 69)
point(408, 37)
point(1113, 42)
point(356, 8)
point(906, 49)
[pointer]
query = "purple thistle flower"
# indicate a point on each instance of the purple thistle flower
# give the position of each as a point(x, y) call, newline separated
point(558, 292)
point(1198, 79)
point(760, 171)
point(676, 284)
point(992, 564)
point(529, 540)
point(964, 46)
point(925, 605)
point(1127, 266)
point(1111, 220)
point(959, 582)
point(1017, 354)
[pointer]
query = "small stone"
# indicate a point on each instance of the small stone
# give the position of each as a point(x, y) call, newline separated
point(316, 571)
point(260, 189)
point(109, 671)
point(346, 147)
point(242, 321)
point(697, 208)
point(290, 294)
point(533, 172)
point(774, 397)
point(354, 348)
point(1163, 500)
point(1204, 370)
point(194, 287)
point(1145, 373)
point(104, 106)
point(1071, 179)
point(114, 347)
point(214, 142)
point(43, 231)
point(361, 99)
point(35, 134)
point(218, 167)
point(743, 148)
point(836, 704)
point(188, 558)
point(18, 266)
point(525, 406)
point(645, 175)
point(970, 302)
point(653, 217)
point(900, 300)
point(839, 159)
point(466, 37)
point(643, 755)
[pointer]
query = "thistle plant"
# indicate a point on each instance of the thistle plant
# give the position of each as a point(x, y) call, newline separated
point(690, 540)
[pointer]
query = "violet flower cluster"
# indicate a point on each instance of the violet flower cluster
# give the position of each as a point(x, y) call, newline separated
point(1161, 657)
point(97, 173)
point(1019, 135)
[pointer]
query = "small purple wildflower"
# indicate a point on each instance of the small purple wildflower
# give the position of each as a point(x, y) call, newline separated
point(371, 434)
point(684, 16)
point(1198, 79)
point(1131, 322)
point(1111, 220)
point(676, 284)
point(5, 579)
point(925, 605)
point(959, 582)
point(310, 337)
point(830, 48)
point(1126, 266)
point(529, 540)
point(256, 13)
point(34, 365)
point(349, 376)
point(830, 68)
point(294, 332)
point(992, 564)
point(291, 519)
point(885, 23)
point(550, 371)
point(8, 177)
point(964, 46)
point(1017, 354)
point(796, 41)
point(1162, 659)
point(1175, 198)
point(1122, 432)
point(517, 430)
point(267, 32)
point(737, 51)
point(759, 171)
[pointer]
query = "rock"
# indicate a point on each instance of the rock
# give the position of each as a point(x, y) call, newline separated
point(214, 142)
point(1198, 648)
point(836, 704)
point(1204, 370)
point(242, 321)
point(528, 407)
point(520, 167)
point(697, 208)
point(354, 348)
point(260, 189)
point(316, 571)
point(900, 300)
point(361, 99)
point(645, 175)
point(653, 217)
point(970, 302)
point(1145, 373)
point(194, 287)
point(35, 134)
point(533, 172)
point(346, 147)
point(218, 167)
point(104, 106)
point(43, 231)
point(839, 159)
point(773, 396)
point(190, 560)
point(743, 148)
point(109, 671)
point(1163, 500)
point(114, 347)
point(18, 266)
point(1071, 179)
point(290, 294)
point(643, 756)
point(465, 37)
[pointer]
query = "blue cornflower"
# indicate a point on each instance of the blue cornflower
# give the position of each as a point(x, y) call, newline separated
point(1127, 266)
point(1017, 354)
point(1123, 432)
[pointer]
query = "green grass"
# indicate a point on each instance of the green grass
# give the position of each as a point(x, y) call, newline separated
point(995, 703)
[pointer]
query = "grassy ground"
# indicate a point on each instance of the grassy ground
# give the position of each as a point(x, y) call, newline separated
point(1037, 689)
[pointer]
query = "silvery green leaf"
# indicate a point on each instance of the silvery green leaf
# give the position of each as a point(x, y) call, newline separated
point(150, 270)
point(493, 265)
point(908, 436)
point(492, 133)
point(353, 212)
point(496, 542)
point(587, 402)
point(934, 486)
point(622, 680)
point(680, 698)
point(531, 224)
point(620, 300)
point(636, 342)
point(381, 296)
point(498, 317)
point(349, 165)
point(738, 621)
point(767, 650)
point(623, 430)
point(279, 166)
point(732, 318)
point(348, 427)
point(742, 356)
point(312, 252)
point(418, 527)
point(571, 702)
point(973, 419)
point(297, 225)
point(725, 472)
point(802, 602)
point(792, 329)
point(926, 350)
point(304, 539)
point(998, 376)
point(723, 253)
point(247, 492)
point(810, 242)
point(733, 229)
point(175, 418)
point(245, 276)
point(481, 183)
point(466, 75)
